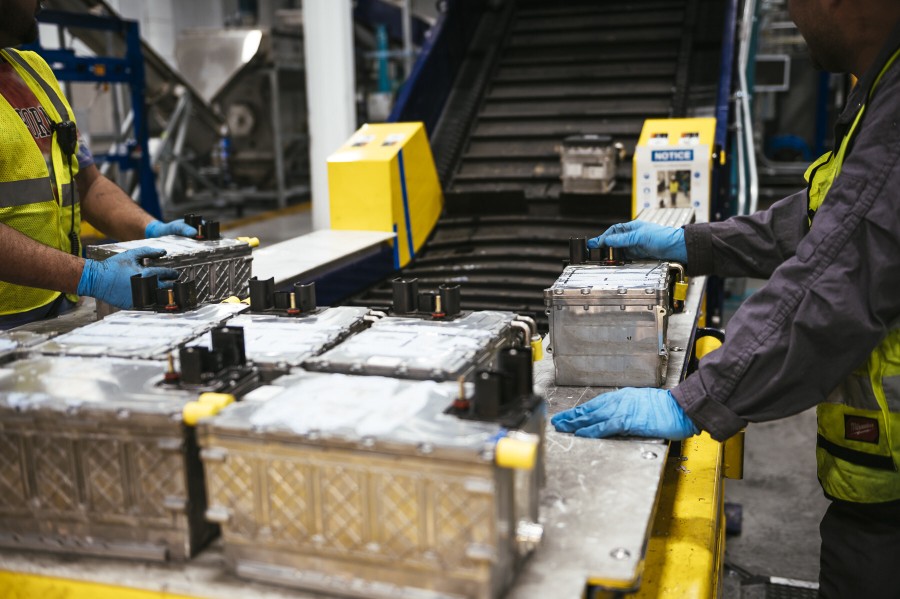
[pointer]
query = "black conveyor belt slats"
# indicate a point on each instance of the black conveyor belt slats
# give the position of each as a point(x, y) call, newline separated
point(538, 72)
point(647, 36)
point(557, 128)
point(584, 89)
point(524, 109)
point(598, 21)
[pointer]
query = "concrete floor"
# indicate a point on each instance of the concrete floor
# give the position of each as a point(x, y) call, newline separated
point(780, 494)
point(781, 498)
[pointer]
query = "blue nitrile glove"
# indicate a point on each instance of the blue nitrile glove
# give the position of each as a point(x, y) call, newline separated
point(628, 411)
point(110, 280)
point(176, 227)
point(644, 240)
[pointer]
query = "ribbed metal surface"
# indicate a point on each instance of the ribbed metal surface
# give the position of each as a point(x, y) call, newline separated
point(570, 68)
point(547, 71)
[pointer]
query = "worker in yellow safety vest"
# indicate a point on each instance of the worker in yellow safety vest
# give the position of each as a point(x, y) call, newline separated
point(48, 182)
point(825, 329)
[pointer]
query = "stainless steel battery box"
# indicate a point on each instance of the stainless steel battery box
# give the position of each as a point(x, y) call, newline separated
point(95, 459)
point(278, 343)
point(421, 349)
point(588, 163)
point(15, 344)
point(608, 324)
point(366, 486)
point(219, 268)
point(145, 335)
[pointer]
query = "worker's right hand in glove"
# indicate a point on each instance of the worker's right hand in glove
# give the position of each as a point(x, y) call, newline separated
point(641, 239)
point(110, 280)
point(641, 412)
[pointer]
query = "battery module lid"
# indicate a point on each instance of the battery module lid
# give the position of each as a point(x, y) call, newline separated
point(634, 281)
point(176, 247)
point(121, 388)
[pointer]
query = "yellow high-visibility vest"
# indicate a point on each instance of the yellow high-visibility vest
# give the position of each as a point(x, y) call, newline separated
point(858, 449)
point(27, 203)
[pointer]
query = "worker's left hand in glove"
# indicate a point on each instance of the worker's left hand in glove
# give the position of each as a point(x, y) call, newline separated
point(628, 411)
point(110, 280)
point(176, 227)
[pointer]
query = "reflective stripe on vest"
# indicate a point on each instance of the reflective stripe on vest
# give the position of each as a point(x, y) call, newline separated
point(57, 102)
point(28, 191)
point(859, 430)
point(858, 449)
point(27, 203)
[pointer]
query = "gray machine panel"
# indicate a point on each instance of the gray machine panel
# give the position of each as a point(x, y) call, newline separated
point(668, 217)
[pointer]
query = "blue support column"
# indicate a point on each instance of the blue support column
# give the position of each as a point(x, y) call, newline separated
point(135, 58)
point(102, 69)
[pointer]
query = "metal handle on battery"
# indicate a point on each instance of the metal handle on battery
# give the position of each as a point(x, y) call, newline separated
point(530, 321)
point(537, 353)
point(525, 330)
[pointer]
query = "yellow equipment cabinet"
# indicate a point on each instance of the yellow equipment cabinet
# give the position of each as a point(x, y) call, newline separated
point(673, 165)
point(384, 179)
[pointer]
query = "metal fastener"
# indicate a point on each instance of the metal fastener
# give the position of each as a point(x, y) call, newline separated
point(620, 553)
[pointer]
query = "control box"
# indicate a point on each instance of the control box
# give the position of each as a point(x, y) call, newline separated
point(673, 165)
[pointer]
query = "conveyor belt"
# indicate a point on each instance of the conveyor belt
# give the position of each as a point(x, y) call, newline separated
point(543, 71)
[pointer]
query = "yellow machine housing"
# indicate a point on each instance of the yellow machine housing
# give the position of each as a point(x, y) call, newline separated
point(384, 179)
point(673, 165)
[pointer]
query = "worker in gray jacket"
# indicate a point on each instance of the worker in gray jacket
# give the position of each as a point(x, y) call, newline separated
point(825, 330)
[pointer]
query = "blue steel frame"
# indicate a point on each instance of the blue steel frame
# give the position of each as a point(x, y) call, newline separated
point(425, 92)
point(377, 12)
point(726, 70)
point(723, 188)
point(101, 69)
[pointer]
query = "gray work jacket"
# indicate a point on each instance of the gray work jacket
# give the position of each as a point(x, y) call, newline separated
point(833, 291)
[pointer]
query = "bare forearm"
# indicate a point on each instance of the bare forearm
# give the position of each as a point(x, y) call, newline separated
point(106, 206)
point(33, 264)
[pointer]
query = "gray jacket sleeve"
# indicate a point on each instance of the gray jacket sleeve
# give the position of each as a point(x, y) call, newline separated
point(748, 246)
point(826, 307)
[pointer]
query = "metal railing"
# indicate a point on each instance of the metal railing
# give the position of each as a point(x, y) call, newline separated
point(748, 177)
